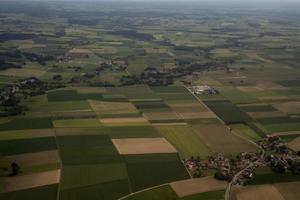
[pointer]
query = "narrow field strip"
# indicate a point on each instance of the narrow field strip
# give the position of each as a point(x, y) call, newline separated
point(30, 181)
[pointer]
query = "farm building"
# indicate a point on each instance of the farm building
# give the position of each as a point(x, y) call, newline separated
point(203, 89)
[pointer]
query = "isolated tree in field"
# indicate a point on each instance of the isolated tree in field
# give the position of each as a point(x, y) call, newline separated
point(15, 169)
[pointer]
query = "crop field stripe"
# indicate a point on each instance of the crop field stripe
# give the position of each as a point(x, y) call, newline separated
point(19, 146)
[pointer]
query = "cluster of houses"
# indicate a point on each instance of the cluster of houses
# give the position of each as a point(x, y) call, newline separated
point(225, 167)
point(215, 162)
point(282, 158)
point(247, 163)
point(116, 64)
point(203, 89)
point(9, 90)
point(12, 94)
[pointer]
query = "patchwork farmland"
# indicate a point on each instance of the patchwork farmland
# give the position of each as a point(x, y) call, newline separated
point(148, 101)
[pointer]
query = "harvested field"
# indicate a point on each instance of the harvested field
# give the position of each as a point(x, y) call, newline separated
point(31, 181)
point(290, 191)
point(143, 146)
point(262, 192)
point(292, 107)
point(295, 144)
point(38, 158)
point(198, 185)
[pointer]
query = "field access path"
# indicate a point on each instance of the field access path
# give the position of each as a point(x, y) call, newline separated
point(228, 189)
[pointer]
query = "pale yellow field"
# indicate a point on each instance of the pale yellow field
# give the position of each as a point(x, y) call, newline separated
point(295, 144)
point(261, 192)
point(133, 121)
point(290, 191)
point(30, 181)
point(292, 107)
point(143, 146)
point(197, 185)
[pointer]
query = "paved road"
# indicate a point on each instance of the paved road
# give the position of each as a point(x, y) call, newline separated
point(228, 189)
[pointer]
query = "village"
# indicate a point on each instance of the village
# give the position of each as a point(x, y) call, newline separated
point(12, 94)
point(279, 158)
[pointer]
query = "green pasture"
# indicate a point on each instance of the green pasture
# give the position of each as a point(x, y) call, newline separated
point(185, 140)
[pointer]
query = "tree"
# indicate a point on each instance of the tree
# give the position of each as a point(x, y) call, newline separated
point(57, 77)
point(15, 169)
point(221, 176)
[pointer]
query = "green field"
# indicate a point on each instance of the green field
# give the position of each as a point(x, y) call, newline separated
point(154, 169)
point(48, 192)
point(87, 149)
point(185, 140)
point(132, 132)
point(27, 123)
point(167, 193)
point(19, 146)
point(265, 175)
